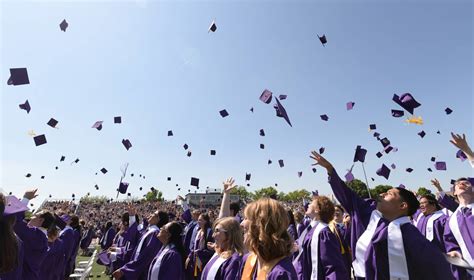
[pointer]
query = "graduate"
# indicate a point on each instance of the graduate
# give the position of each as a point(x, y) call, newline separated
point(53, 264)
point(68, 237)
point(268, 242)
point(86, 239)
point(431, 221)
point(444, 199)
point(191, 229)
point(149, 245)
point(229, 248)
point(299, 222)
point(76, 230)
point(34, 237)
point(107, 236)
point(458, 233)
point(378, 231)
point(340, 230)
point(169, 262)
point(200, 253)
point(292, 227)
point(12, 253)
point(320, 257)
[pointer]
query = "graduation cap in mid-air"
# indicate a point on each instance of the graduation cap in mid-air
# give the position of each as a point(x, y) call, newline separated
point(383, 171)
point(40, 140)
point(62, 158)
point(63, 25)
point(118, 119)
point(248, 176)
point(300, 173)
point(281, 112)
point(262, 132)
point(127, 144)
point(323, 39)
point(440, 165)
point(350, 105)
point(223, 113)
point(212, 27)
point(262, 146)
point(103, 170)
point(281, 163)
point(266, 96)
point(213, 152)
point(282, 96)
point(360, 154)
point(324, 117)
point(52, 122)
point(170, 133)
point(98, 125)
point(397, 113)
point(123, 186)
point(194, 182)
point(25, 106)
point(18, 76)
point(448, 111)
point(407, 102)
point(461, 155)
point(422, 133)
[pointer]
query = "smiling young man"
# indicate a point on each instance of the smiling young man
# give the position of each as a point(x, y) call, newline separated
point(431, 221)
point(385, 244)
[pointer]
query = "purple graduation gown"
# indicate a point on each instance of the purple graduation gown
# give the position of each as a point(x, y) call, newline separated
point(17, 272)
point(68, 238)
point(172, 266)
point(438, 229)
point(138, 265)
point(466, 227)
point(300, 228)
point(228, 270)
point(53, 264)
point(188, 234)
point(447, 202)
point(201, 251)
point(283, 270)
point(107, 239)
point(331, 264)
point(35, 244)
point(292, 232)
point(76, 240)
point(87, 238)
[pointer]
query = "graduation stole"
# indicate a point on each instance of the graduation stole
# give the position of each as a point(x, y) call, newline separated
point(332, 227)
point(251, 265)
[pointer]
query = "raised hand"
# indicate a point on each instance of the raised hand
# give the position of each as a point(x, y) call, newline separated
point(437, 185)
point(131, 210)
point(30, 194)
point(228, 184)
point(320, 160)
point(460, 143)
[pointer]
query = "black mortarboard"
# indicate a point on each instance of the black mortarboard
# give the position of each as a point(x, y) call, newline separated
point(126, 143)
point(314, 170)
point(170, 133)
point(213, 152)
point(185, 146)
point(52, 122)
point(384, 171)
point(429, 169)
point(212, 27)
point(25, 106)
point(189, 153)
point(281, 112)
point(438, 132)
point(117, 119)
point(18, 76)
point(251, 109)
point(323, 39)
point(266, 96)
point(63, 25)
point(98, 125)
point(223, 113)
point(132, 175)
point(129, 194)
point(300, 173)
point(40, 140)
point(62, 158)
point(379, 154)
point(42, 177)
point(433, 159)
point(281, 163)
point(262, 146)
point(169, 178)
point(321, 150)
point(56, 168)
point(123, 186)
point(376, 134)
point(448, 111)
point(103, 170)
point(269, 161)
point(28, 175)
point(247, 176)
point(194, 182)
point(262, 132)
point(406, 101)
point(282, 96)
point(76, 160)
point(141, 188)
point(397, 113)
point(324, 117)
point(360, 154)
point(96, 187)
point(385, 142)
point(409, 170)
point(422, 133)
point(388, 149)
point(372, 127)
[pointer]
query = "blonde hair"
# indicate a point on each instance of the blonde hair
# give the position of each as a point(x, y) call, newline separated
point(233, 233)
point(267, 234)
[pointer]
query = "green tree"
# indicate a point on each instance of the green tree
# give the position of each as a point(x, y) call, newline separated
point(265, 192)
point(423, 191)
point(242, 192)
point(154, 195)
point(359, 187)
point(379, 189)
point(298, 195)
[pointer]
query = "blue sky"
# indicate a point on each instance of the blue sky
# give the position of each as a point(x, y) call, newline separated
point(155, 64)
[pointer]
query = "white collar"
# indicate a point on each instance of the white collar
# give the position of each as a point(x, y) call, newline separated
point(470, 206)
point(153, 227)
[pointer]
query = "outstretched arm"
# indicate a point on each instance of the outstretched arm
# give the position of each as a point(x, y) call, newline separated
point(461, 143)
point(444, 200)
point(225, 204)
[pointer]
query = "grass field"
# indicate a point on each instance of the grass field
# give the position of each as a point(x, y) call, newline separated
point(96, 269)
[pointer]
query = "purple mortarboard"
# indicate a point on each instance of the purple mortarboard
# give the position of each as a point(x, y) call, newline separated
point(379, 154)
point(350, 105)
point(52, 122)
point(409, 170)
point(323, 39)
point(262, 132)
point(422, 133)
point(300, 173)
point(13, 206)
point(349, 176)
point(402, 186)
point(25, 106)
point(397, 113)
point(388, 149)
point(223, 113)
point(213, 152)
point(383, 171)
point(117, 119)
point(281, 163)
point(28, 175)
point(406, 101)
point(393, 166)
point(461, 155)
point(18, 76)
point(98, 125)
point(127, 144)
point(103, 170)
point(123, 186)
point(212, 27)
point(266, 96)
point(385, 142)
point(372, 126)
point(282, 96)
point(189, 153)
point(63, 25)
point(440, 165)
point(247, 176)
point(314, 169)
point(448, 111)
point(251, 109)
point(170, 133)
point(103, 258)
point(321, 150)
point(360, 154)
point(269, 161)
point(194, 182)
point(185, 146)
point(324, 117)
point(262, 146)
point(40, 140)
point(429, 169)
point(281, 112)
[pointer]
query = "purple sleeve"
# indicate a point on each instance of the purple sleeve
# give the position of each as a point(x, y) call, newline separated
point(230, 269)
point(109, 238)
point(174, 266)
point(332, 263)
point(447, 202)
point(450, 242)
point(134, 268)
